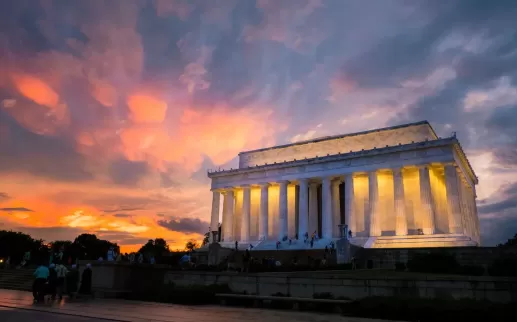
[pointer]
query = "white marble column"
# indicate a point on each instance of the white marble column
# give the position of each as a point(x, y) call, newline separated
point(400, 207)
point(349, 203)
point(303, 209)
point(453, 199)
point(336, 207)
point(282, 220)
point(373, 193)
point(326, 208)
point(214, 218)
point(464, 209)
point(228, 215)
point(263, 211)
point(313, 207)
point(246, 205)
point(426, 199)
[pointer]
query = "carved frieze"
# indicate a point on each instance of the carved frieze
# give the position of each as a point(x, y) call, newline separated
point(417, 132)
point(334, 165)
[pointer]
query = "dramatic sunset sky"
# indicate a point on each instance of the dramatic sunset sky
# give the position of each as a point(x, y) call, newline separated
point(112, 111)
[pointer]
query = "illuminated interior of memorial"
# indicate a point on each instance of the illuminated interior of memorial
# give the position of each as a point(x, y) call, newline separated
point(395, 187)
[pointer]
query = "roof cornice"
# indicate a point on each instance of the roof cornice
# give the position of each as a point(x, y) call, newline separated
point(333, 137)
point(343, 156)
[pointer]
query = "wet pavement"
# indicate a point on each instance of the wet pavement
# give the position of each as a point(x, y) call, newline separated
point(19, 306)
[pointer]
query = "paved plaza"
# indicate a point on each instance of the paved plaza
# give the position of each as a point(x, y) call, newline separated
point(18, 306)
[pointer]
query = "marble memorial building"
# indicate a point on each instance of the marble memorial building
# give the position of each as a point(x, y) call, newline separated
point(395, 187)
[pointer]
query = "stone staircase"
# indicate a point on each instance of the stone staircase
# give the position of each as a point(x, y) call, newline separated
point(16, 279)
point(420, 241)
point(295, 245)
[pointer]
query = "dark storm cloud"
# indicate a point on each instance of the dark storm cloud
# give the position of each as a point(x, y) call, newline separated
point(52, 233)
point(121, 238)
point(502, 129)
point(498, 215)
point(125, 172)
point(185, 225)
point(46, 156)
point(508, 200)
point(17, 209)
point(4, 196)
point(122, 215)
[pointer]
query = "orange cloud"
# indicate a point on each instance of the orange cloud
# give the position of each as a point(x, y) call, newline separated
point(146, 109)
point(36, 90)
point(105, 93)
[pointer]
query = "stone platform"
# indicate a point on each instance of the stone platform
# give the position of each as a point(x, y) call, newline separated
point(18, 306)
point(415, 241)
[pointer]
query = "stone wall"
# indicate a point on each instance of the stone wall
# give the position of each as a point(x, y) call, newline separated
point(344, 285)
point(353, 142)
point(353, 285)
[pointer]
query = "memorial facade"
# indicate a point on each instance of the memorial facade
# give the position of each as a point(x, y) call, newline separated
point(396, 187)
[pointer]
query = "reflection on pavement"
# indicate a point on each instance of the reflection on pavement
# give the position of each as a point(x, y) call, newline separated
point(134, 311)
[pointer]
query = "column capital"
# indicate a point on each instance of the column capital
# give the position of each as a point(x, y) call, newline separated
point(286, 182)
point(264, 184)
point(338, 180)
point(313, 184)
point(450, 164)
point(245, 186)
point(423, 166)
point(397, 170)
point(303, 180)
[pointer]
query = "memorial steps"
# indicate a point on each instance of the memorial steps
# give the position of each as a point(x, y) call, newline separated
point(16, 279)
point(415, 241)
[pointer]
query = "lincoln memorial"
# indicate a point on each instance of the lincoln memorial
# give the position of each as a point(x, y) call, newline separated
point(395, 187)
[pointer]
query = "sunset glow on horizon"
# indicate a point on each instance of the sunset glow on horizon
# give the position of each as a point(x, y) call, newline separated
point(111, 112)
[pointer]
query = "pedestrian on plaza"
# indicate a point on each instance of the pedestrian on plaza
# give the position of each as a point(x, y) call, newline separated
point(61, 272)
point(40, 279)
point(72, 279)
point(52, 280)
point(86, 280)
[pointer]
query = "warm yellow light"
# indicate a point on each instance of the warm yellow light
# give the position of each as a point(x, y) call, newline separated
point(439, 193)
point(412, 199)
point(273, 204)
point(360, 205)
point(386, 201)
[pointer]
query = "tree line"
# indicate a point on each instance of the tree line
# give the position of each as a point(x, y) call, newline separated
point(84, 247)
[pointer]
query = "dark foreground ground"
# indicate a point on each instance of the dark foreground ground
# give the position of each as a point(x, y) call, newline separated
point(17, 306)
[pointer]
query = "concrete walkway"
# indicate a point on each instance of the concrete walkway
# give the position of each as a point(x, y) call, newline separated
point(18, 306)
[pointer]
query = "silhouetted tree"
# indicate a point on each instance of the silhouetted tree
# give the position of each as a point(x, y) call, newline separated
point(510, 242)
point(88, 246)
point(191, 245)
point(15, 244)
point(206, 238)
point(157, 248)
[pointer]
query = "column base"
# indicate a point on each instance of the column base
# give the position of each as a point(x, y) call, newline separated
point(428, 231)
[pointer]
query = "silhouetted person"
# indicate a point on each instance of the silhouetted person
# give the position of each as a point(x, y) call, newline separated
point(38, 287)
point(86, 281)
point(72, 280)
point(52, 280)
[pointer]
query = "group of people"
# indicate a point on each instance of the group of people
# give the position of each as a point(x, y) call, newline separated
point(56, 279)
